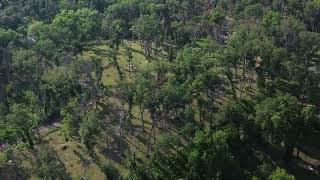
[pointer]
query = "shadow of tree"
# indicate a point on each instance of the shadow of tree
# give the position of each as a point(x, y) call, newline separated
point(137, 51)
point(97, 51)
point(10, 172)
point(116, 149)
point(297, 166)
point(48, 164)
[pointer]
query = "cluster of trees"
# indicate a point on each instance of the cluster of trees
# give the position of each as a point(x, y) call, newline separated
point(227, 151)
point(234, 76)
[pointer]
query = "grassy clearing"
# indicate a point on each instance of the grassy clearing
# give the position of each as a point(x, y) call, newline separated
point(110, 149)
point(76, 159)
point(110, 75)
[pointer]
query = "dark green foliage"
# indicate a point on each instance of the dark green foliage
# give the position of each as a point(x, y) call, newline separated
point(111, 172)
point(281, 174)
point(19, 123)
point(208, 156)
point(48, 165)
point(223, 80)
point(71, 118)
point(89, 128)
point(283, 119)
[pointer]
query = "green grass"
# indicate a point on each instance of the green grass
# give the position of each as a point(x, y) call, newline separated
point(110, 74)
point(74, 157)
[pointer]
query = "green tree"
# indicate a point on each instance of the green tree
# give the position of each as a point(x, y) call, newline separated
point(208, 84)
point(128, 92)
point(281, 174)
point(281, 120)
point(48, 165)
point(89, 128)
point(21, 120)
point(71, 115)
point(58, 87)
point(207, 156)
point(6, 36)
point(142, 86)
point(211, 157)
point(81, 24)
point(146, 29)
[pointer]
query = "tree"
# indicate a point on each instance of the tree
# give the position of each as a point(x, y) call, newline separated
point(89, 128)
point(71, 115)
point(129, 57)
point(255, 10)
point(191, 61)
point(244, 48)
point(6, 36)
point(142, 86)
point(209, 84)
point(10, 16)
point(173, 100)
point(100, 5)
point(215, 25)
point(152, 104)
point(114, 29)
point(113, 55)
point(207, 156)
point(81, 25)
point(146, 29)
point(128, 92)
point(125, 10)
point(21, 120)
point(48, 165)
point(312, 16)
point(58, 88)
point(281, 120)
point(236, 114)
point(43, 9)
point(211, 157)
point(281, 174)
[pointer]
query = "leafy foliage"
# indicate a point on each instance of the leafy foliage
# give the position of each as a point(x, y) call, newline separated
point(212, 83)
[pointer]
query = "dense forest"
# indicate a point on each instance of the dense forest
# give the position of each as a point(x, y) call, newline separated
point(160, 89)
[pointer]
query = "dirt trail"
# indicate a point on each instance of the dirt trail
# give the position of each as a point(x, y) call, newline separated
point(44, 129)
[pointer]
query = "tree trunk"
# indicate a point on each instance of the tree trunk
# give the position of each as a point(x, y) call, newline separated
point(166, 118)
point(130, 111)
point(235, 72)
point(171, 53)
point(29, 139)
point(288, 153)
point(200, 116)
point(243, 78)
point(141, 46)
point(130, 67)
point(121, 123)
point(118, 68)
point(154, 133)
point(142, 117)
point(149, 139)
point(251, 81)
point(4, 73)
point(229, 77)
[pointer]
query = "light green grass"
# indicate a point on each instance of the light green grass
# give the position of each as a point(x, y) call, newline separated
point(110, 74)
point(74, 157)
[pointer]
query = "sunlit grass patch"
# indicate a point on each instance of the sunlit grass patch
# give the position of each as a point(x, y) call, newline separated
point(75, 158)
